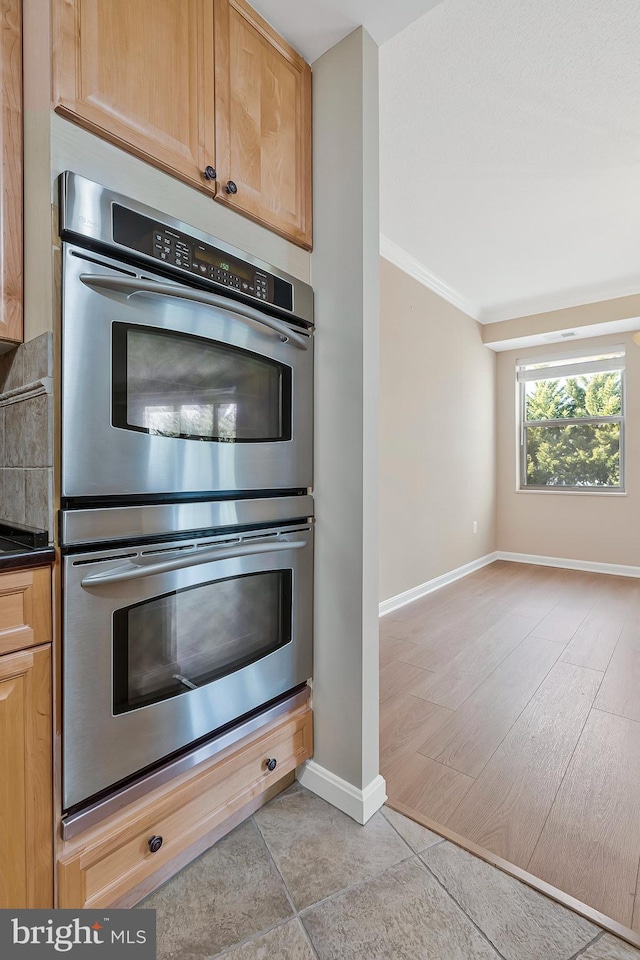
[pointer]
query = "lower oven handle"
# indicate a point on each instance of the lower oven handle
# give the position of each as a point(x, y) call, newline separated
point(132, 285)
point(130, 571)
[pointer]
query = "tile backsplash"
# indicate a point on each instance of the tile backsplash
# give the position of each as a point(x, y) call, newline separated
point(26, 434)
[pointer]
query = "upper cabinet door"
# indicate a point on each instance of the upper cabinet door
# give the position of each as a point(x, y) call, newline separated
point(263, 123)
point(141, 75)
point(11, 150)
point(194, 86)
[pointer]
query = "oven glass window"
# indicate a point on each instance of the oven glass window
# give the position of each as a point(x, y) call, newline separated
point(174, 385)
point(183, 640)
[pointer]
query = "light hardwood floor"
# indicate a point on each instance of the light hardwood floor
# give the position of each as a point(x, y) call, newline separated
point(510, 714)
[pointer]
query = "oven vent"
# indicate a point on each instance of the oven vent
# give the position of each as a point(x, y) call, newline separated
point(560, 335)
point(205, 544)
point(151, 553)
point(120, 556)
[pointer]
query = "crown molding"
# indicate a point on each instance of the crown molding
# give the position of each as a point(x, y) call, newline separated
point(515, 309)
point(404, 261)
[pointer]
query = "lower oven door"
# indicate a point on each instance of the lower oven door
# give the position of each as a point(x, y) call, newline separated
point(166, 644)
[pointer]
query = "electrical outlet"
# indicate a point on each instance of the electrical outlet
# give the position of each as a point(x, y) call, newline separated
point(475, 526)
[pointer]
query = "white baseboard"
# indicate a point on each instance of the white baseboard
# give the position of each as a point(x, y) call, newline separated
point(589, 566)
point(360, 805)
point(388, 606)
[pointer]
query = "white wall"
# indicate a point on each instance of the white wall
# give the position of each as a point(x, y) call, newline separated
point(344, 272)
point(437, 436)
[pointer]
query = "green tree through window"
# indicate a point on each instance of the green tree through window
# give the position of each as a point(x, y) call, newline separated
point(572, 422)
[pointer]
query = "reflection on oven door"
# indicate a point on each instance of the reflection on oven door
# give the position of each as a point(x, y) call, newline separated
point(189, 638)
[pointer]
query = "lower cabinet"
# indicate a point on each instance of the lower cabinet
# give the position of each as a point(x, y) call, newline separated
point(26, 816)
point(127, 855)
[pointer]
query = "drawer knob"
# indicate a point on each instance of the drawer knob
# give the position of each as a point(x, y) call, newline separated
point(271, 765)
point(154, 844)
point(210, 173)
point(231, 187)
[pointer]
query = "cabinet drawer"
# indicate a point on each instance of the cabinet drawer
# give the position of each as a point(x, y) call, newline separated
point(101, 865)
point(25, 609)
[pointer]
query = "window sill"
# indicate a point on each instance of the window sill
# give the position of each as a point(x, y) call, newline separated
point(575, 493)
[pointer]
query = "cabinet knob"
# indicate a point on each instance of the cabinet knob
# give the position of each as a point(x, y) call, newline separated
point(154, 844)
point(271, 764)
point(210, 173)
point(231, 187)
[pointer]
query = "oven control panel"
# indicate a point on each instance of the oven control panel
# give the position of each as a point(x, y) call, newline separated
point(155, 239)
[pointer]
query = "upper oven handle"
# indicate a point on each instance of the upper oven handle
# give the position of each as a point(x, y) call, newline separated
point(133, 571)
point(130, 286)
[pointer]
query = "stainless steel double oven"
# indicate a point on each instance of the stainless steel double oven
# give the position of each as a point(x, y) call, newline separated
point(186, 519)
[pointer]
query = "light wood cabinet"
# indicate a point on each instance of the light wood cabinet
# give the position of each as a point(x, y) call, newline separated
point(102, 866)
point(203, 89)
point(263, 122)
point(26, 817)
point(26, 812)
point(11, 270)
point(139, 74)
point(25, 609)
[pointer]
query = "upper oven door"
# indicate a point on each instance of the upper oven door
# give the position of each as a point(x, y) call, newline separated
point(168, 389)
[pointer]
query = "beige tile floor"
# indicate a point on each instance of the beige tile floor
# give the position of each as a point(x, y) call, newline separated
point(299, 880)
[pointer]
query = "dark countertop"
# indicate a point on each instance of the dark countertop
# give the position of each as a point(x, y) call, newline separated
point(22, 546)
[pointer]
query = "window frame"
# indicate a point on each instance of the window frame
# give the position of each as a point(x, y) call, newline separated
point(576, 369)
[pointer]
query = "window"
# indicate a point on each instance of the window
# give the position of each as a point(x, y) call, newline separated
point(572, 422)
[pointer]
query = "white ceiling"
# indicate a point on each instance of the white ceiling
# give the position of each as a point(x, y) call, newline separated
point(313, 26)
point(510, 152)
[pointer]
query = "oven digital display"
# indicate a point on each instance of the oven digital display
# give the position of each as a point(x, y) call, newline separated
point(133, 230)
point(213, 257)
